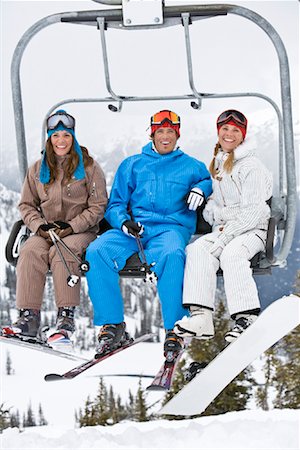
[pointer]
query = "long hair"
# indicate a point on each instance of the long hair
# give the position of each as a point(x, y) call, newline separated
point(228, 164)
point(72, 161)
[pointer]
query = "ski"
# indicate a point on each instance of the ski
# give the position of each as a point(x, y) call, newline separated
point(92, 362)
point(40, 346)
point(163, 380)
point(277, 320)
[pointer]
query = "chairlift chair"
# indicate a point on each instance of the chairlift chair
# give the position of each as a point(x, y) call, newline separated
point(133, 15)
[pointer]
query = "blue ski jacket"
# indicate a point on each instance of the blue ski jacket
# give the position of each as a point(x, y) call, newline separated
point(154, 187)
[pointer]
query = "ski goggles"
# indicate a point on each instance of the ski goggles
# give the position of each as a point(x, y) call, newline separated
point(234, 115)
point(165, 116)
point(64, 118)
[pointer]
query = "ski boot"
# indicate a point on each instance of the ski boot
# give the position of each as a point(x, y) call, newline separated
point(173, 345)
point(111, 337)
point(198, 325)
point(26, 326)
point(194, 368)
point(65, 326)
point(242, 322)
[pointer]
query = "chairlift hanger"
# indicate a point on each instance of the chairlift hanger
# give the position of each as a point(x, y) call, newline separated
point(184, 15)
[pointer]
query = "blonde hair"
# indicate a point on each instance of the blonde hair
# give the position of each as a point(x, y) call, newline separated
point(228, 164)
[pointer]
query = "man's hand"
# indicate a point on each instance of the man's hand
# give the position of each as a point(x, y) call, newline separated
point(195, 199)
point(132, 228)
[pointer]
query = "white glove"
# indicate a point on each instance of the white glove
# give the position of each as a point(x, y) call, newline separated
point(195, 199)
point(217, 248)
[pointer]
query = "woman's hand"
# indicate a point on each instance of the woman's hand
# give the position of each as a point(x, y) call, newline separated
point(63, 229)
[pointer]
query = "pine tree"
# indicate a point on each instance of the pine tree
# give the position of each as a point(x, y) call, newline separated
point(130, 406)
point(140, 405)
point(9, 369)
point(297, 284)
point(10, 281)
point(101, 404)
point(287, 368)
point(41, 421)
point(262, 392)
point(29, 418)
point(4, 417)
point(282, 368)
point(15, 420)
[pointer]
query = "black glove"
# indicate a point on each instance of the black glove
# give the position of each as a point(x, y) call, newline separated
point(47, 226)
point(132, 228)
point(43, 231)
point(61, 225)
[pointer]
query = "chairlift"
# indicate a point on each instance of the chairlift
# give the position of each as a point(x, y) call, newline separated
point(133, 15)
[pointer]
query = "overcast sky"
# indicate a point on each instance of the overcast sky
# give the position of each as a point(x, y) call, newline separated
point(231, 54)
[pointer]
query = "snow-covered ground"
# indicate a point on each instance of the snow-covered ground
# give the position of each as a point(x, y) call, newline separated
point(238, 430)
point(252, 429)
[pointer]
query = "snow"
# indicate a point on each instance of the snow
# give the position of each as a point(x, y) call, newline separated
point(250, 429)
point(238, 430)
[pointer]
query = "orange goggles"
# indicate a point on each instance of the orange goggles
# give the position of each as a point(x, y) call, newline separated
point(165, 116)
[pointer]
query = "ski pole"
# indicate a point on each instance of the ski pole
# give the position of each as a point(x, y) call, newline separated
point(72, 279)
point(149, 275)
point(83, 265)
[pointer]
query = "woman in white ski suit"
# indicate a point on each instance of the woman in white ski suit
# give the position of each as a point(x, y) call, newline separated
point(239, 214)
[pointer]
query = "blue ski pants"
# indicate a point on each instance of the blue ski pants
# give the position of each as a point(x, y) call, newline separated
point(107, 255)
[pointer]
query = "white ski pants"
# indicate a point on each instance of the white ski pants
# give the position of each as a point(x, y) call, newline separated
point(200, 271)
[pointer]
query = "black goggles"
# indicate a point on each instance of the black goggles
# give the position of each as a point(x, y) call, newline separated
point(232, 114)
point(64, 118)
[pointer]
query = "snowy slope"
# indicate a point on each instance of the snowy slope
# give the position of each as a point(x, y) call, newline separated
point(240, 430)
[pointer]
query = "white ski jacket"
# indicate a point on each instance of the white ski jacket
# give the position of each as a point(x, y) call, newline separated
point(238, 202)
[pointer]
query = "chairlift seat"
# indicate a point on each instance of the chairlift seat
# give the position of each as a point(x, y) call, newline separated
point(261, 263)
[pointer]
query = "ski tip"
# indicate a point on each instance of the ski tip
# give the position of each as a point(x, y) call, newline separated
point(53, 377)
point(156, 387)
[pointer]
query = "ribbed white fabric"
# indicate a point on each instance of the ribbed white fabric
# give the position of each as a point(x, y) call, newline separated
point(239, 214)
point(201, 267)
point(238, 202)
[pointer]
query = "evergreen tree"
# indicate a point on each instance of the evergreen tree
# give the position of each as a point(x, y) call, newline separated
point(113, 411)
point(297, 284)
point(41, 421)
point(9, 369)
point(282, 368)
point(140, 405)
point(10, 281)
point(130, 406)
point(4, 417)
point(286, 365)
point(262, 392)
point(85, 418)
point(15, 420)
point(101, 404)
point(29, 418)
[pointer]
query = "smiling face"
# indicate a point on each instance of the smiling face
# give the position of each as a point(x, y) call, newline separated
point(230, 137)
point(61, 142)
point(165, 139)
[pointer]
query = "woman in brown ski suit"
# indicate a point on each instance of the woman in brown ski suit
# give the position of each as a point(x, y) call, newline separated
point(64, 191)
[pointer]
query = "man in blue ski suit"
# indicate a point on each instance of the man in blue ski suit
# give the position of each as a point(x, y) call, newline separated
point(155, 194)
